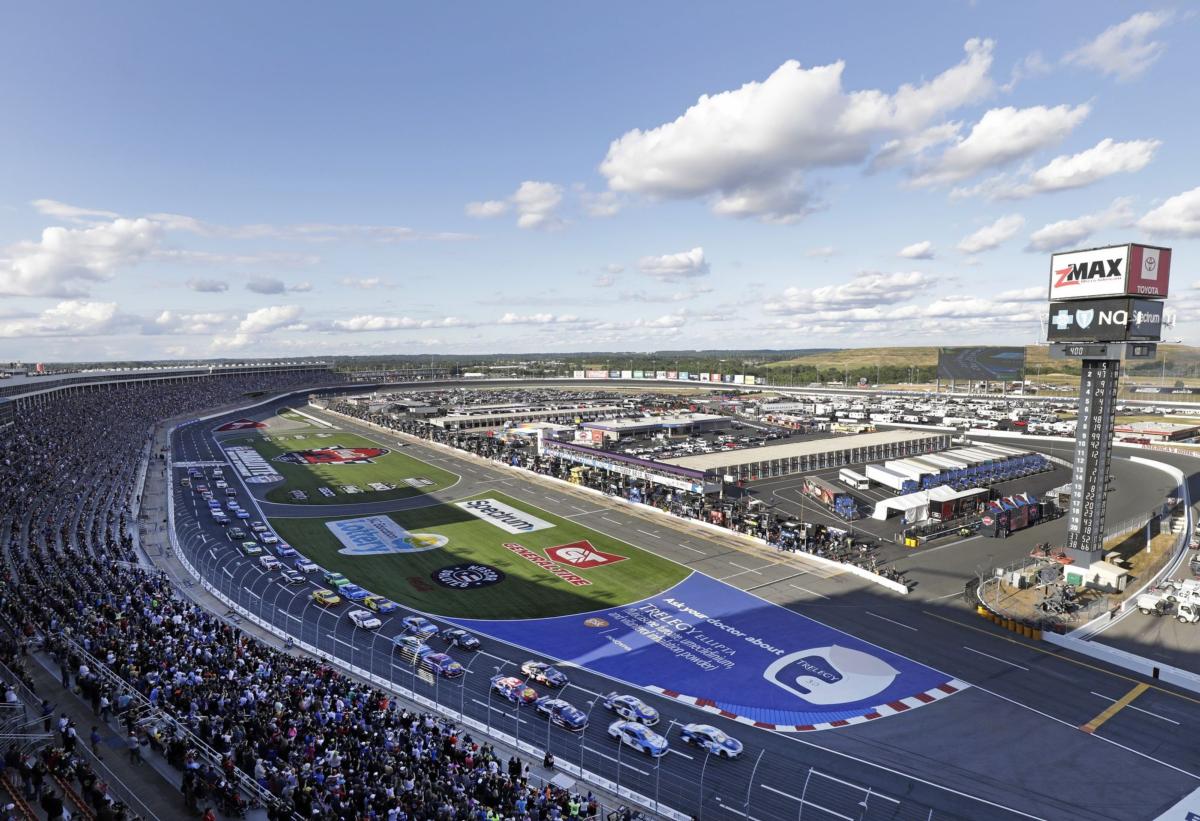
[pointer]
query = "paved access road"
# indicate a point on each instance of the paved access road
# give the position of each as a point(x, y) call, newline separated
point(1008, 747)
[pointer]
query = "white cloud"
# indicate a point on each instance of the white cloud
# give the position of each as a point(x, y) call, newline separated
point(362, 283)
point(373, 322)
point(535, 203)
point(1179, 216)
point(1059, 236)
point(187, 323)
point(821, 252)
point(72, 317)
point(1034, 293)
point(65, 260)
point(868, 289)
point(1067, 171)
point(1125, 50)
point(671, 267)
point(918, 250)
point(901, 150)
point(537, 319)
point(208, 286)
point(746, 150)
point(604, 281)
point(992, 235)
point(1001, 136)
point(485, 209)
point(62, 210)
point(273, 285)
point(1033, 65)
point(602, 204)
point(613, 268)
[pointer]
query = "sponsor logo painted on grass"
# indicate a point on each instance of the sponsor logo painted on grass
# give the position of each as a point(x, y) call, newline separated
point(418, 481)
point(547, 565)
point(240, 424)
point(728, 651)
point(251, 465)
point(332, 455)
point(380, 535)
point(467, 576)
point(583, 555)
point(506, 517)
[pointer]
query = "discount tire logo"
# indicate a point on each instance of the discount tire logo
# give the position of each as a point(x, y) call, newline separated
point(467, 576)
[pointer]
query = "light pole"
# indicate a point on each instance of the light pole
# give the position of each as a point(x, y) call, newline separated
point(750, 783)
point(703, 769)
point(582, 735)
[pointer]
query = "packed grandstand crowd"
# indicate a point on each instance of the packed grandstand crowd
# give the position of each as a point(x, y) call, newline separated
point(241, 722)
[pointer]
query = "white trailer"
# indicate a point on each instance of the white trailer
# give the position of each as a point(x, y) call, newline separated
point(885, 477)
point(907, 469)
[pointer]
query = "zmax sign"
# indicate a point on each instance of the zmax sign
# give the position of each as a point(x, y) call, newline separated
point(1105, 320)
point(1116, 270)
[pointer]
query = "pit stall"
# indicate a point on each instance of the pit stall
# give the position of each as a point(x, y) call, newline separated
point(647, 470)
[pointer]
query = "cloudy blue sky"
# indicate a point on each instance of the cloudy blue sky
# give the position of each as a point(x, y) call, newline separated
point(231, 179)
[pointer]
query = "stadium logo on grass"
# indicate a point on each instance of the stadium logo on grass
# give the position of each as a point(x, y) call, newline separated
point(379, 536)
point(240, 424)
point(332, 455)
point(582, 555)
point(467, 576)
point(505, 517)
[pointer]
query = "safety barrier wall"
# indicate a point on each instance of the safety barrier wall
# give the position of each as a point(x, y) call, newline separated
point(874, 578)
point(1129, 661)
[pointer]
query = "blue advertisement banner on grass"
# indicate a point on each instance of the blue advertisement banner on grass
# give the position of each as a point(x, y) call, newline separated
point(731, 652)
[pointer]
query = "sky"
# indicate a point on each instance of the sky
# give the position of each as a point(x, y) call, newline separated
point(242, 180)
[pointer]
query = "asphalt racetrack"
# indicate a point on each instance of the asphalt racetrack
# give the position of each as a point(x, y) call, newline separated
point(1004, 744)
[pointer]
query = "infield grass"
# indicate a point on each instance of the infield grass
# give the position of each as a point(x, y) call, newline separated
point(527, 591)
point(393, 468)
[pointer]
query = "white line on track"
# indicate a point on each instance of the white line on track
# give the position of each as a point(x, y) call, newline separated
point(996, 658)
point(342, 642)
point(609, 519)
point(1139, 709)
point(755, 818)
point(615, 761)
point(689, 547)
point(227, 572)
point(497, 709)
point(293, 618)
point(893, 621)
point(810, 592)
point(648, 533)
point(747, 569)
point(676, 752)
point(948, 595)
point(805, 802)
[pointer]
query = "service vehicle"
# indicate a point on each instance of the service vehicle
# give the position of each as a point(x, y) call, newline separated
point(441, 664)
point(563, 713)
point(353, 592)
point(544, 673)
point(365, 619)
point(419, 626)
point(711, 739)
point(235, 534)
point(638, 736)
point(252, 548)
point(334, 579)
point(326, 598)
point(269, 563)
point(379, 604)
point(457, 637)
point(631, 708)
point(286, 551)
point(306, 565)
point(513, 689)
point(291, 576)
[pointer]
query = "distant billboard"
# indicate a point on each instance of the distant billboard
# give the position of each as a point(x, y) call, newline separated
point(1114, 270)
point(597, 374)
point(981, 364)
point(1105, 320)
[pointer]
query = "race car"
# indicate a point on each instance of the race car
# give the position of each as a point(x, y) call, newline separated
point(269, 562)
point(715, 741)
point(221, 484)
point(513, 689)
point(379, 604)
point(291, 576)
point(201, 489)
point(459, 638)
point(562, 713)
point(441, 664)
point(631, 708)
point(258, 527)
point(335, 579)
point(411, 647)
point(251, 548)
point(419, 626)
point(326, 598)
point(638, 736)
point(220, 518)
point(353, 592)
point(286, 551)
point(242, 514)
point(306, 565)
point(365, 619)
point(235, 534)
point(269, 538)
point(544, 673)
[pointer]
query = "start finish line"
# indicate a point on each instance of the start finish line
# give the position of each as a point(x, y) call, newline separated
point(731, 653)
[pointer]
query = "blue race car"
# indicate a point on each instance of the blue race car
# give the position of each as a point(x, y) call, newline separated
point(544, 673)
point(631, 708)
point(638, 736)
point(286, 551)
point(442, 665)
point(459, 638)
point(419, 626)
point(709, 738)
point(562, 713)
point(353, 592)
